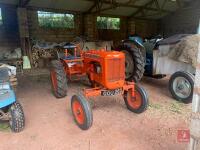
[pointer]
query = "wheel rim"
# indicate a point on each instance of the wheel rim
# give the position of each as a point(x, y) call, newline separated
point(54, 80)
point(135, 102)
point(78, 112)
point(182, 87)
point(129, 67)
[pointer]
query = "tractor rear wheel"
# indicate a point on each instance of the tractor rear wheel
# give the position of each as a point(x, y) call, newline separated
point(17, 119)
point(81, 111)
point(58, 79)
point(134, 62)
point(139, 103)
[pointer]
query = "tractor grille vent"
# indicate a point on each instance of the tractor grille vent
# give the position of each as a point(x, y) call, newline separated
point(115, 69)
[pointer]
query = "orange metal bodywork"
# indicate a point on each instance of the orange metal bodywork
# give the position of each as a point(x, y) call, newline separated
point(111, 64)
point(105, 68)
point(74, 67)
point(97, 91)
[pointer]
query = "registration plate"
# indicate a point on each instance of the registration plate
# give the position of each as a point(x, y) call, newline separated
point(111, 92)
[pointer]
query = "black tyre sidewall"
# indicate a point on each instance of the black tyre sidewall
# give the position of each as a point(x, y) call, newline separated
point(86, 109)
point(130, 55)
point(17, 117)
point(145, 101)
point(187, 76)
point(62, 86)
point(138, 60)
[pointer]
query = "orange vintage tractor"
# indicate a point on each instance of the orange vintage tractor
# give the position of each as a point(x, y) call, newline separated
point(106, 72)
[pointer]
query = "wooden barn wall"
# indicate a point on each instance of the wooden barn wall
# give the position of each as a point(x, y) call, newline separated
point(53, 34)
point(184, 21)
point(115, 35)
point(90, 30)
point(143, 28)
point(84, 25)
point(9, 36)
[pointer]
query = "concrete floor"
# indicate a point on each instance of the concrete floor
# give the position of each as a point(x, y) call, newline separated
point(50, 126)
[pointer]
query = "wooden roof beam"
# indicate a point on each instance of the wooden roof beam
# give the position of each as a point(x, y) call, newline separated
point(96, 4)
point(149, 4)
point(24, 3)
point(179, 3)
point(130, 5)
point(142, 8)
point(163, 4)
point(157, 4)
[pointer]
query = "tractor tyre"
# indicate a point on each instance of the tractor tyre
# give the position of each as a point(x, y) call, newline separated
point(139, 103)
point(81, 111)
point(58, 79)
point(17, 119)
point(181, 85)
point(134, 62)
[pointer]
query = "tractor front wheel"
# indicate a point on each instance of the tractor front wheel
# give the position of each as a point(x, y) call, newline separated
point(139, 103)
point(81, 111)
point(58, 79)
point(17, 119)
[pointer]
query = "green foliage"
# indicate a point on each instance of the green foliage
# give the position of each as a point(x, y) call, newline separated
point(155, 105)
point(55, 20)
point(176, 107)
point(108, 23)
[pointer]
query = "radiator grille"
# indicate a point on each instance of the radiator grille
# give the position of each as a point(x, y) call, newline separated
point(115, 69)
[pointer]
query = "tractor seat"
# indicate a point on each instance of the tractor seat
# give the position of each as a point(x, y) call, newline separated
point(69, 46)
point(71, 57)
point(7, 97)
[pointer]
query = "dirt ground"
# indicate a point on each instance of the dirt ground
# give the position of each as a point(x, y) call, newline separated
point(50, 126)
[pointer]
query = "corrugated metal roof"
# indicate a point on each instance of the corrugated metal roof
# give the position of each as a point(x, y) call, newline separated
point(135, 8)
point(121, 11)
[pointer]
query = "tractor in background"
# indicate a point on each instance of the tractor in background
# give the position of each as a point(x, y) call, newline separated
point(140, 61)
point(135, 55)
point(106, 73)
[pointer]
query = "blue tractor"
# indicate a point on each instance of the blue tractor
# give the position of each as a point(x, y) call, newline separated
point(10, 109)
point(139, 62)
point(135, 58)
point(139, 57)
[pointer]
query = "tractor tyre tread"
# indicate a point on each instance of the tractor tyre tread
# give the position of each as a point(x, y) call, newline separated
point(61, 91)
point(17, 120)
point(138, 59)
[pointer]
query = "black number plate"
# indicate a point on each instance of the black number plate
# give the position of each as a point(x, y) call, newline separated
point(111, 92)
